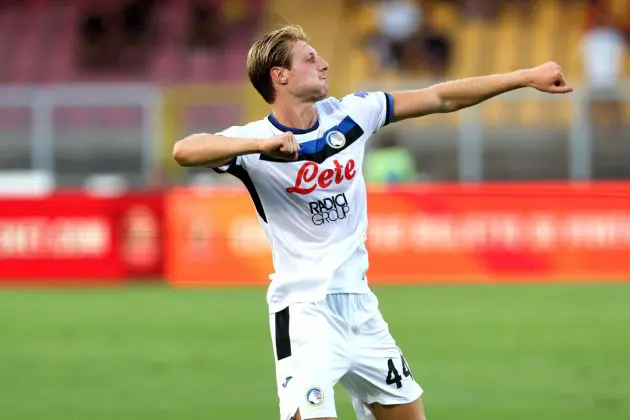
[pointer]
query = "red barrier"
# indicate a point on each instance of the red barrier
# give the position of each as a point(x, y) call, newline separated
point(77, 237)
point(539, 232)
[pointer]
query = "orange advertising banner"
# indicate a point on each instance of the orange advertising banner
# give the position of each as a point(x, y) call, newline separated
point(542, 232)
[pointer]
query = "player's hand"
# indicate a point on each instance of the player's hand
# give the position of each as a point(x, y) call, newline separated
point(548, 78)
point(283, 146)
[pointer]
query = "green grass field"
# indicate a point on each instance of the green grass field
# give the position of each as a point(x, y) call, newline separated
point(480, 352)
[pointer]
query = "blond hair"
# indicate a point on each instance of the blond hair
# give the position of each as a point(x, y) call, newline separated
point(272, 50)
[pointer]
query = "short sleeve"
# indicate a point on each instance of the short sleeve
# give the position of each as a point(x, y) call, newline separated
point(372, 110)
point(239, 161)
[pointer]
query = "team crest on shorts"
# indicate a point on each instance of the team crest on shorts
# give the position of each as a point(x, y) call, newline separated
point(314, 396)
point(336, 139)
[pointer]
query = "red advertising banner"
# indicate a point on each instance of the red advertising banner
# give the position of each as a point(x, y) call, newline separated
point(213, 237)
point(74, 235)
point(542, 232)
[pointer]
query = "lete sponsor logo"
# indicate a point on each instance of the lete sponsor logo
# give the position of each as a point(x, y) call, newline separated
point(310, 176)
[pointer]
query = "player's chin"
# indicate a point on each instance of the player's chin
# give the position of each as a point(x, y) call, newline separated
point(321, 93)
point(316, 93)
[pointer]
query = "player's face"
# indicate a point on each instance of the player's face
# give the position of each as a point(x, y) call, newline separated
point(308, 77)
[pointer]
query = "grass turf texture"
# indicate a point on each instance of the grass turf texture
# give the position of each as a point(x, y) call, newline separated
point(546, 352)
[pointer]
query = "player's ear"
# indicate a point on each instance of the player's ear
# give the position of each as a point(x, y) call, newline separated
point(279, 75)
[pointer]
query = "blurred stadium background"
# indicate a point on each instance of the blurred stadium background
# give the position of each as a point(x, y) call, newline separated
point(528, 188)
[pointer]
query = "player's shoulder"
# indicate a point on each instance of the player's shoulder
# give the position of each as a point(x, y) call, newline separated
point(363, 96)
point(364, 101)
point(329, 105)
point(351, 100)
point(251, 129)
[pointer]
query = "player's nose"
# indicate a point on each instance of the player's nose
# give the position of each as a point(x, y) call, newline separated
point(323, 64)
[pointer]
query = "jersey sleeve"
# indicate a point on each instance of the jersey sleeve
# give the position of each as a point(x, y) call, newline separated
point(372, 110)
point(244, 162)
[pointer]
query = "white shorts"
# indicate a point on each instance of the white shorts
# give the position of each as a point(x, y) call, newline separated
point(343, 338)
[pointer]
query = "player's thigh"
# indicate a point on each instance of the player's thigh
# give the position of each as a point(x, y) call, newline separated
point(310, 359)
point(382, 387)
point(409, 411)
point(381, 377)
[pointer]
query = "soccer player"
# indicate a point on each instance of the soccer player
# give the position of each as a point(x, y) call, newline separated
point(302, 165)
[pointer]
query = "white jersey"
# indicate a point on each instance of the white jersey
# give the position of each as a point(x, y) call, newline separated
point(314, 210)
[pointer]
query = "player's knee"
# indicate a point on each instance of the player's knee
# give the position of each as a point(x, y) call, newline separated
point(409, 411)
point(298, 417)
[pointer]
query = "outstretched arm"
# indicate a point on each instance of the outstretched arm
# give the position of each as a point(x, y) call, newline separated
point(457, 94)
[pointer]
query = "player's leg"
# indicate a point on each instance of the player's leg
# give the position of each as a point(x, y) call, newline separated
point(409, 411)
point(364, 394)
point(298, 417)
point(380, 382)
point(310, 359)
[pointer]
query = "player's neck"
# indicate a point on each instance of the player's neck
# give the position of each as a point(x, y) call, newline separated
point(301, 116)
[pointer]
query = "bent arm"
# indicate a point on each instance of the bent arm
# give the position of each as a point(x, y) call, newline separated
point(455, 95)
point(212, 150)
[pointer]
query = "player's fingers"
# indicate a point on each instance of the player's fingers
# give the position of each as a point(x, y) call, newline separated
point(283, 147)
point(291, 141)
point(561, 85)
point(287, 144)
point(296, 144)
point(562, 78)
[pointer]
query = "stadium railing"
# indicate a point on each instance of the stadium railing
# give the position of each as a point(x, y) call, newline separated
point(77, 130)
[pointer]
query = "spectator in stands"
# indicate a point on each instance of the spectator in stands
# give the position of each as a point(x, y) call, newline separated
point(405, 42)
point(398, 21)
point(135, 17)
point(436, 50)
point(133, 30)
point(95, 40)
point(204, 25)
point(112, 34)
point(602, 49)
